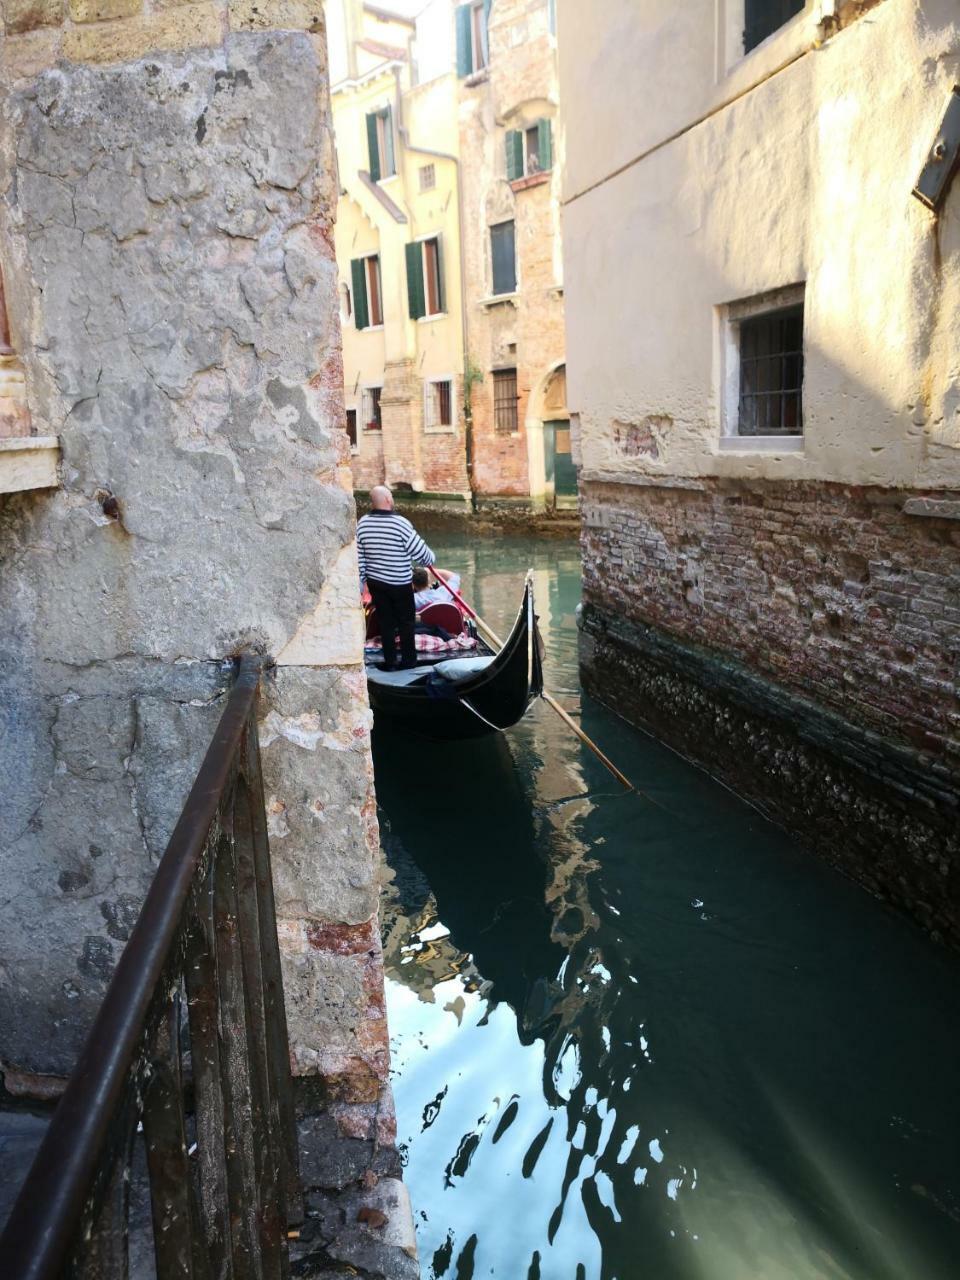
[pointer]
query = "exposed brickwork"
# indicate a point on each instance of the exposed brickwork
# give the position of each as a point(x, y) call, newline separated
point(831, 591)
point(801, 641)
point(884, 815)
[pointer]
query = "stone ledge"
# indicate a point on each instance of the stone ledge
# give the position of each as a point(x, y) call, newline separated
point(29, 462)
point(933, 508)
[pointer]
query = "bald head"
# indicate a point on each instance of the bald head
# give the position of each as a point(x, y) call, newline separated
point(381, 499)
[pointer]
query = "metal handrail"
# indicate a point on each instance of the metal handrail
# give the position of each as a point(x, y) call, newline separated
point(130, 1069)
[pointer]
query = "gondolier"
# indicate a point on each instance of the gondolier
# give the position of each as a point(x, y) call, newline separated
point(387, 547)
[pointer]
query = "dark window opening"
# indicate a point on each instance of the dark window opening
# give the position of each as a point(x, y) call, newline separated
point(352, 427)
point(373, 290)
point(763, 17)
point(504, 253)
point(372, 419)
point(771, 374)
point(431, 277)
point(505, 416)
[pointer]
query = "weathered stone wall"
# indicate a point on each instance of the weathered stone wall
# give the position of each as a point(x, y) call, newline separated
point(166, 242)
point(803, 642)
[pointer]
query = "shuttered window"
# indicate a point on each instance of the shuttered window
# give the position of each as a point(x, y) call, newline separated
point(367, 305)
point(505, 416)
point(472, 46)
point(503, 252)
point(380, 144)
point(425, 289)
point(763, 17)
point(529, 151)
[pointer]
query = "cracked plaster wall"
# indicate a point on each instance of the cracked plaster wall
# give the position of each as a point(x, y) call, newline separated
point(166, 239)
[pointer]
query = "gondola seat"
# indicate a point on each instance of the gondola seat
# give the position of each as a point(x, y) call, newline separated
point(457, 670)
point(446, 616)
point(413, 675)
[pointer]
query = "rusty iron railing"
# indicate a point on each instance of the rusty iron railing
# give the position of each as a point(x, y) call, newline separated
point(188, 1055)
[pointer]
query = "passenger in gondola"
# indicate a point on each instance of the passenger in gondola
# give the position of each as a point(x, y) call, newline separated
point(387, 546)
point(424, 593)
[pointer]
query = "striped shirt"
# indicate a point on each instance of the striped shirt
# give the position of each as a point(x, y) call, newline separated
point(386, 545)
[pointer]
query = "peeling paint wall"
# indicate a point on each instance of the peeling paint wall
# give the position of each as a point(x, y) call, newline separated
point(166, 238)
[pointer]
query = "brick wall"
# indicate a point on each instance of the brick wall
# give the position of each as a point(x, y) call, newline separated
point(801, 642)
point(831, 591)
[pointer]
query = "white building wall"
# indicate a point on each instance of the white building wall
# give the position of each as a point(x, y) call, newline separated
point(689, 186)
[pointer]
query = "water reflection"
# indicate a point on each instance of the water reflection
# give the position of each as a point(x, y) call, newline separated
point(648, 1037)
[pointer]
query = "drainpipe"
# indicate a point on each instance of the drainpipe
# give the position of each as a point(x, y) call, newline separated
point(445, 155)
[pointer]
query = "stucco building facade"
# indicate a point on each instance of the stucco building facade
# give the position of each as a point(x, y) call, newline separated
point(449, 155)
point(765, 345)
point(167, 199)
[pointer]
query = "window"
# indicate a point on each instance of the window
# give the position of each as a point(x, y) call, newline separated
point(367, 305)
point(529, 151)
point(438, 404)
point(503, 253)
point(370, 409)
point(552, 16)
point(763, 17)
point(383, 162)
point(771, 374)
point(352, 429)
point(346, 307)
point(505, 400)
point(428, 177)
point(472, 49)
point(425, 291)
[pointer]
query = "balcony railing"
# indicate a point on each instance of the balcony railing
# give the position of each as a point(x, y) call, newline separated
point(188, 1055)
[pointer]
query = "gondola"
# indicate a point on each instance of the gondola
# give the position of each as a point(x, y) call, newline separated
point(466, 695)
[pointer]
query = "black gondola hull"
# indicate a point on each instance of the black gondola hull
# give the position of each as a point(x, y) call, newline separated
point(492, 700)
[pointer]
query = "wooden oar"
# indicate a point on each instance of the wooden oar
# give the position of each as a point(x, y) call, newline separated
point(547, 697)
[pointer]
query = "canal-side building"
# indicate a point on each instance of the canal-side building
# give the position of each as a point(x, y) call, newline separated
point(398, 249)
point(764, 338)
point(170, 330)
point(511, 144)
point(448, 246)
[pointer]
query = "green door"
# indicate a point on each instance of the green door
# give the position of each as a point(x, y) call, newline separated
point(561, 473)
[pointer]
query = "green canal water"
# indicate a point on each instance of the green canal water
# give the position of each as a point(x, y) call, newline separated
point(647, 1036)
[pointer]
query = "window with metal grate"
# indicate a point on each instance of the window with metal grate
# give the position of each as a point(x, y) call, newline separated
point(505, 416)
point(771, 374)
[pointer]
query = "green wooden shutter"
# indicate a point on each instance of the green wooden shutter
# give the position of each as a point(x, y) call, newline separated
point(514, 155)
point(464, 42)
point(441, 286)
point(390, 159)
point(361, 312)
point(545, 145)
point(415, 294)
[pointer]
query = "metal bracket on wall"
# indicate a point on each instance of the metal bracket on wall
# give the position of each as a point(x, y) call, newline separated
point(944, 158)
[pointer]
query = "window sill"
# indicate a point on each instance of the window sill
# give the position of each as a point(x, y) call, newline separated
point(440, 315)
point(761, 444)
point(439, 431)
point(371, 431)
point(370, 328)
point(531, 180)
point(476, 77)
point(29, 462)
point(498, 300)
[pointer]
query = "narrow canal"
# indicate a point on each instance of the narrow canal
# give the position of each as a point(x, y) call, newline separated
point(646, 1036)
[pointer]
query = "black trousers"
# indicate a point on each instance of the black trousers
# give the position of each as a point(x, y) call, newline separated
point(395, 613)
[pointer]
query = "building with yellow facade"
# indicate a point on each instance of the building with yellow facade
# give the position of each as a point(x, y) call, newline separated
point(448, 249)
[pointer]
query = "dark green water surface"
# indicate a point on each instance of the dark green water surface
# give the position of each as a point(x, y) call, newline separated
point(647, 1035)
